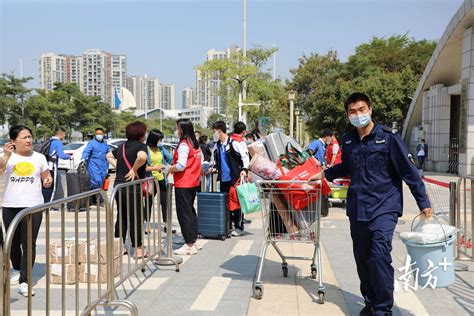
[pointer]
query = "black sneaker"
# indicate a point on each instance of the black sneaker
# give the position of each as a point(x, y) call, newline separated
point(367, 311)
point(246, 221)
point(173, 231)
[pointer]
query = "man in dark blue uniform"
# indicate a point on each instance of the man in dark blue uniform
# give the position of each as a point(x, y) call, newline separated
point(377, 161)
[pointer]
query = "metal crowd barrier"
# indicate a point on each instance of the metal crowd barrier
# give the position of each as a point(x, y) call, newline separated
point(95, 245)
point(462, 219)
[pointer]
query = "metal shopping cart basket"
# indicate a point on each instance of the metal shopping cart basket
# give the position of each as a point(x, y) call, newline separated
point(291, 212)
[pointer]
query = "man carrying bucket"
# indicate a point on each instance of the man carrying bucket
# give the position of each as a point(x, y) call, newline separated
point(377, 161)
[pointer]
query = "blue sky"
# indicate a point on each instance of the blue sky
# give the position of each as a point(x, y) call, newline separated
point(167, 38)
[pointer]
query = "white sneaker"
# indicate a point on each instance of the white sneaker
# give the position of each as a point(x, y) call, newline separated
point(14, 277)
point(198, 245)
point(186, 250)
point(237, 232)
point(23, 290)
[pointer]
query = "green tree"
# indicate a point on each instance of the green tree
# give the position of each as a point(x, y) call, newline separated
point(13, 95)
point(387, 69)
point(259, 85)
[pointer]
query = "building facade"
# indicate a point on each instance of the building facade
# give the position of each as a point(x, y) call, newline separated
point(168, 97)
point(208, 86)
point(97, 73)
point(442, 109)
point(188, 98)
point(52, 70)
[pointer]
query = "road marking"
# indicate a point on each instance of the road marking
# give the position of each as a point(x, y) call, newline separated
point(241, 248)
point(211, 295)
point(409, 302)
point(143, 283)
point(326, 224)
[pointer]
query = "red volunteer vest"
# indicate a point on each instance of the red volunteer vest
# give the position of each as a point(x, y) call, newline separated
point(330, 155)
point(190, 176)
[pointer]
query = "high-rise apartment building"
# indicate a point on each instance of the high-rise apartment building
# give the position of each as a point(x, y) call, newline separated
point(97, 73)
point(167, 97)
point(208, 87)
point(52, 70)
point(188, 98)
point(147, 92)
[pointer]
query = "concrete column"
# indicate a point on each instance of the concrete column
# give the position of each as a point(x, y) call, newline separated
point(466, 158)
point(436, 114)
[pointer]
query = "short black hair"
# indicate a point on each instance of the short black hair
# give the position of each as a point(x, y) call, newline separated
point(239, 127)
point(15, 131)
point(60, 129)
point(100, 129)
point(423, 140)
point(250, 135)
point(326, 133)
point(356, 97)
point(220, 125)
point(154, 136)
point(203, 139)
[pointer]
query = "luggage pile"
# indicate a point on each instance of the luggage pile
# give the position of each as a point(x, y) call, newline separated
point(279, 157)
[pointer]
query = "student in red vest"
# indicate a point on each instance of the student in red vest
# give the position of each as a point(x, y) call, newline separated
point(186, 171)
point(333, 152)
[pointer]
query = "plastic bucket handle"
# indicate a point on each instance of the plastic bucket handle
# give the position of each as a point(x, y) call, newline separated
point(445, 236)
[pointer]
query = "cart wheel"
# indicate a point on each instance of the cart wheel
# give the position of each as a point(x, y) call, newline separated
point(321, 297)
point(223, 237)
point(314, 272)
point(258, 292)
point(285, 271)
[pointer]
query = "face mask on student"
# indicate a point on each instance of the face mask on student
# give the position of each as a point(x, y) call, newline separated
point(360, 120)
point(99, 137)
point(176, 134)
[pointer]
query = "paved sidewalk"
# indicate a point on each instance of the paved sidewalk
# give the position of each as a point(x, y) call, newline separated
point(218, 280)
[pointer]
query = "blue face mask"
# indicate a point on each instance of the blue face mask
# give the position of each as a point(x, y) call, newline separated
point(360, 120)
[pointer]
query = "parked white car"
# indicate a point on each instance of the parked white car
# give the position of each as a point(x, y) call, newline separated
point(76, 149)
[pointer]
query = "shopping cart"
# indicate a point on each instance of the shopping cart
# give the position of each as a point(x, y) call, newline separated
point(291, 212)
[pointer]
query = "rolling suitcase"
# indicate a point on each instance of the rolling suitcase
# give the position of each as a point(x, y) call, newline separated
point(77, 181)
point(213, 215)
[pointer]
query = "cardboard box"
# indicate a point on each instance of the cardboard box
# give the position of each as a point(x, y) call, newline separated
point(93, 274)
point(56, 273)
point(101, 254)
point(56, 255)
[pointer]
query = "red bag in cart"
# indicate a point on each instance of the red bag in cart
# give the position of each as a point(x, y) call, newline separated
point(297, 194)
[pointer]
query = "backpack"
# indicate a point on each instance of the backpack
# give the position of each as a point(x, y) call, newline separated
point(43, 148)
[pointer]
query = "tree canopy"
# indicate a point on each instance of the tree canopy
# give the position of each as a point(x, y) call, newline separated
point(387, 69)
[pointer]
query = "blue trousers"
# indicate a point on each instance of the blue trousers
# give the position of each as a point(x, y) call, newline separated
point(372, 243)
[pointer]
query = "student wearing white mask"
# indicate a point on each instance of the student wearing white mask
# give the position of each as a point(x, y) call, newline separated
point(95, 155)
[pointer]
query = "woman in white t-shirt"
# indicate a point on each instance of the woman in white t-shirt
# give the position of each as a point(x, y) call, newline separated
point(26, 172)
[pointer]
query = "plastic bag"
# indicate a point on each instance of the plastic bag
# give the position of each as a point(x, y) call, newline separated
point(248, 197)
point(429, 232)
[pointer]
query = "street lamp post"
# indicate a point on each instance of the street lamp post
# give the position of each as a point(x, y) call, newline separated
point(240, 105)
point(297, 114)
point(291, 98)
point(302, 134)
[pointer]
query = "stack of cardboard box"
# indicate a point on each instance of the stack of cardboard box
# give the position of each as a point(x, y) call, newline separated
point(97, 258)
point(98, 261)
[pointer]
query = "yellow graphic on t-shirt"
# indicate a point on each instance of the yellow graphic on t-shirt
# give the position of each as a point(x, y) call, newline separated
point(24, 169)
